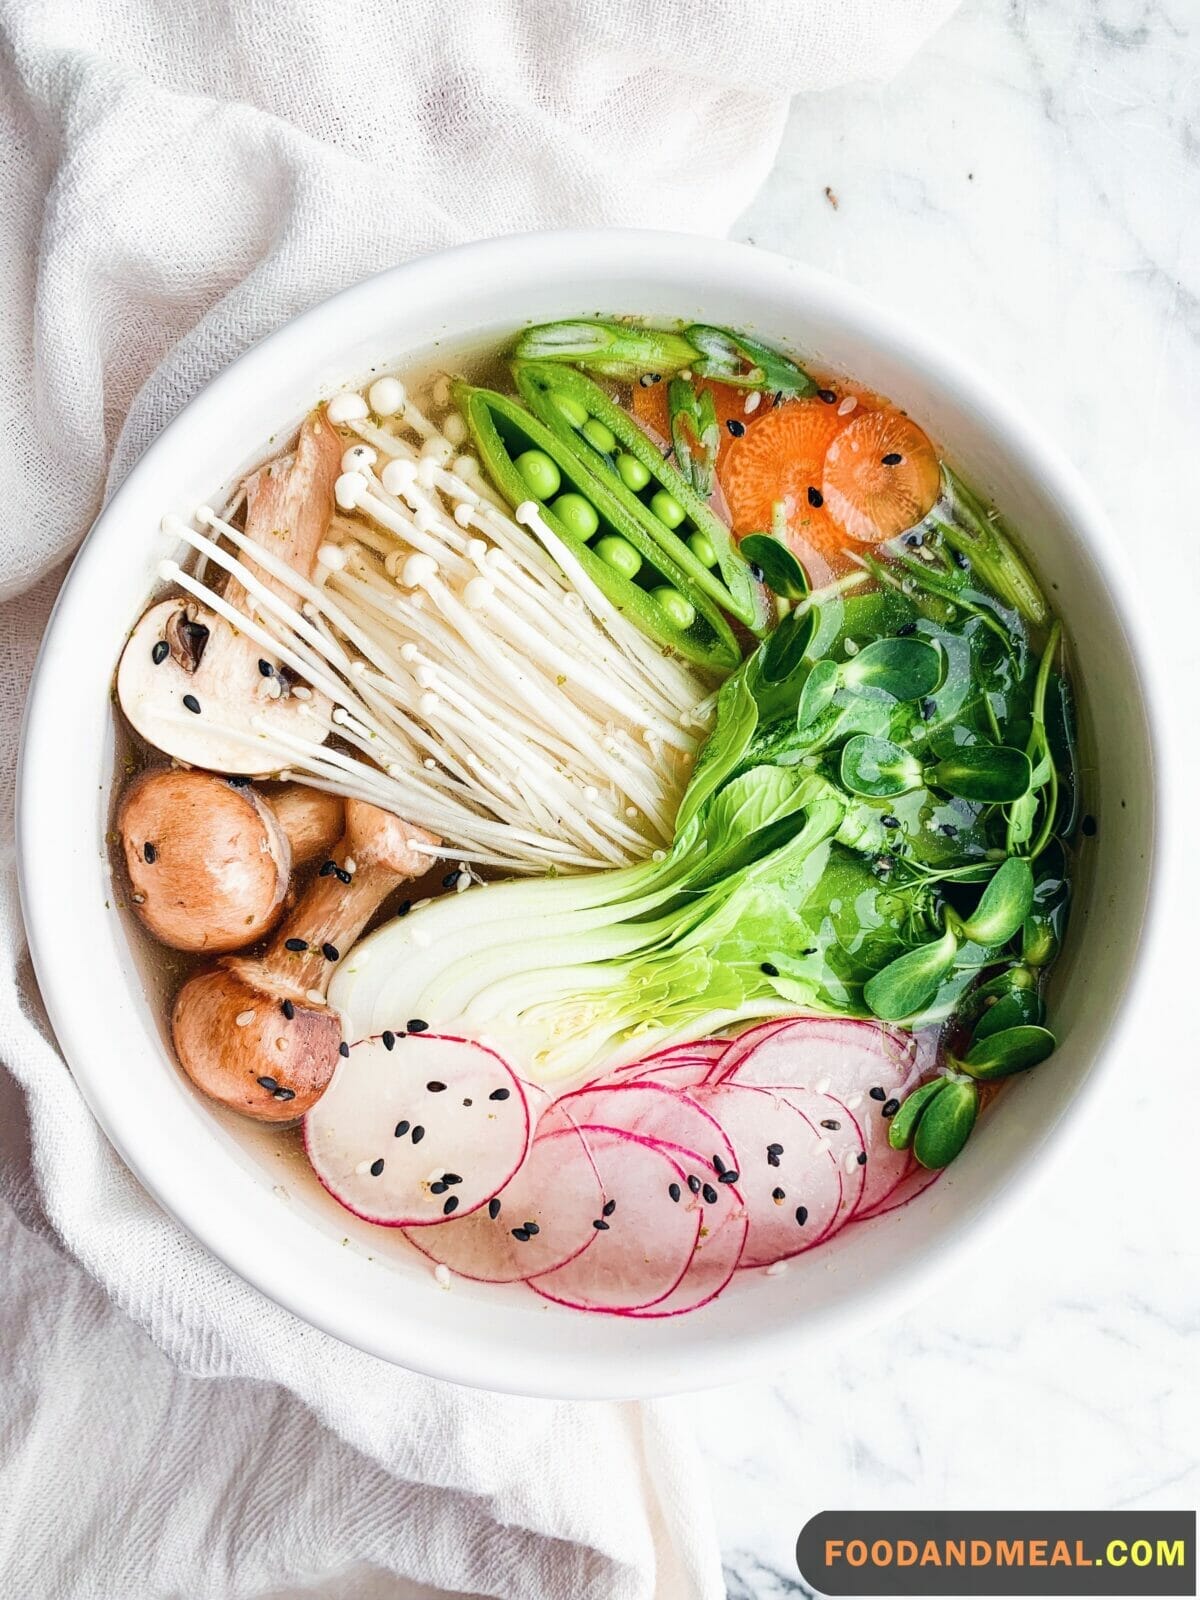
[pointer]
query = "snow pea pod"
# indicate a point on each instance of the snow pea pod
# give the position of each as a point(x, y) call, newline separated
point(561, 397)
point(660, 597)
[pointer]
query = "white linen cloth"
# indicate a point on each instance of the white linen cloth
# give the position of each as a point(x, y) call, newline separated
point(175, 181)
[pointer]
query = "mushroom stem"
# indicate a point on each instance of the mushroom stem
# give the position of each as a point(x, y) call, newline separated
point(257, 1034)
point(311, 819)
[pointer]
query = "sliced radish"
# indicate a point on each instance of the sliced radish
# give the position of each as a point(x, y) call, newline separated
point(433, 1127)
point(647, 1237)
point(840, 1056)
point(839, 1133)
point(681, 1065)
point(787, 1172)
point(724, 1226)
point(654, 1111)
point(915, 1181)
point(541, 1218)
point(736, 1050)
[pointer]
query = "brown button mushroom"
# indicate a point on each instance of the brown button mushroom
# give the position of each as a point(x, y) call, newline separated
point(257, 1035)
point(210, 861)
point(201, 689)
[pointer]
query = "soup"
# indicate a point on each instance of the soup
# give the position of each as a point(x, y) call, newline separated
point(697, 750)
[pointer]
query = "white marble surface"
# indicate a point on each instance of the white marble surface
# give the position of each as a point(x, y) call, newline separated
point(1031, 188)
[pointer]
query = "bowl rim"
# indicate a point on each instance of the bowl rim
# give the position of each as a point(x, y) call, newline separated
point(762, 273)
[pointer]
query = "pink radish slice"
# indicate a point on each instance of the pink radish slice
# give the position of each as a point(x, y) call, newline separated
point(736, 1050)
point(433, 1127)
point(839, 1133)
point(672, 1074)
point(840, 1056)
point(724, 1227)
point(914, 1182)
point(787, 1172)
point(646, 1243)
point(652, 1111)
point(681, 1064)
point(710, 1050)
point(541, 1218)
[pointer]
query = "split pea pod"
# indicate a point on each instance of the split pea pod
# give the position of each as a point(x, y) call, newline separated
point(527, 461)
point(612, 448)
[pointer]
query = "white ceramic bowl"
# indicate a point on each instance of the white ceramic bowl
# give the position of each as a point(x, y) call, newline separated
point(223, 1177)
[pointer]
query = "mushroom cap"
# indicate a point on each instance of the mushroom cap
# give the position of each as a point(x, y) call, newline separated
point(208, 860)
point(238, 1062)
point(178, 650)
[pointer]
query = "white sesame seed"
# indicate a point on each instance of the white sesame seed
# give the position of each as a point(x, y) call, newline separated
point(753, 400)
point(350, 865)
point(847, 406)
point(441, 1275)
point(315, 996)
point(244, 1019)
point(776, 1269)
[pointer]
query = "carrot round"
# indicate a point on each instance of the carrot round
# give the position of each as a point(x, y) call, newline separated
point(881, 476)
point(781, 459)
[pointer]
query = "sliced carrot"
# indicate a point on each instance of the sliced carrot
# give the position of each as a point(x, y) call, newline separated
point(881, 476)
point(781, 458)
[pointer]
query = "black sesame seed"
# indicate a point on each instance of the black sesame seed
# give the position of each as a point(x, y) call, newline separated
point(756, 572)
point(415, 1025)
point(450, 880)
point(710, 1194)
point(948, 830)
point(609, 1207)
point(811, 951)
point(892, 459)
point(861, 1158)
point(890, 821)
point(878, 1094)
point(962, 559)
point(674, 1191)
point(401, 1129)
point(389, 1039)
point(295, 944)
point(890, 1107)
point(404, 908)
point(928, 708)
point(730, 1175)
point(777, 397)
point(451, 1177)
point(265, 667)
point(815, 498)
point(772, 1159)
point(284, 1094)
point(830, 1123)
point(468, 1102)
point(438, 1188)
point(1088, 827)
point(288, 1009)
point(519, 1233)
point(769, 967)
point(192, 704)
point(418, 1134)
point(377, 1167)
point(736, 428)
point(268, 1083)
point(434, 1086)
point(648, 379)
point(801, 1215)
point(531, 1228)
point(777, 1195)
point(493, 1209)
point(600, 1225)
point(693, 1184)
point(238, 783)
point(905, 628)
point(343, 1049)
point(149, 854)
point(914, 541)
point(498, 1094)
point(160, 652)
point(827, 395)
point(342, 875)
point(330, 951)
point(718, 1165)
point(449, 1205)
point(328, 868)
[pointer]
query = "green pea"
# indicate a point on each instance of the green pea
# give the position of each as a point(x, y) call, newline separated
point(575, 414)
point(634, 474)
point(667, 509)
point(619, 554)
point(599, 437)
point(541, 476)
point(701, 547)
point(680, 611)
point(577, 515)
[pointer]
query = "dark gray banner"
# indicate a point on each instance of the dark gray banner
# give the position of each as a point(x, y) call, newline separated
point(1128, 1553)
